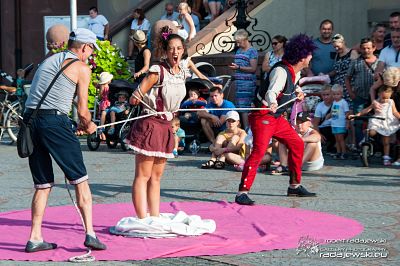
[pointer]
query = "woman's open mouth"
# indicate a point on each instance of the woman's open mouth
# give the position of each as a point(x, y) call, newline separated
point(175, 59)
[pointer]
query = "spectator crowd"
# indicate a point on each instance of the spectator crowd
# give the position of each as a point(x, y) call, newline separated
point(351, 77)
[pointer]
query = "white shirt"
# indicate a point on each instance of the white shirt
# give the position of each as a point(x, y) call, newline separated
point(320, 112)
point(388, 56)
point(186, 26)
point(145, 26)
point(339, 110)
point(277, 82)
point(97, 24)
point(185, 65)
point(173, 91)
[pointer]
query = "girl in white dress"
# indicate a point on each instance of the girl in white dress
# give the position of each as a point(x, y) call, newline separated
point(185, 20)
point(386, 127)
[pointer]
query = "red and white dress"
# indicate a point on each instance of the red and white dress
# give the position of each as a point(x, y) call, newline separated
point(152, 136)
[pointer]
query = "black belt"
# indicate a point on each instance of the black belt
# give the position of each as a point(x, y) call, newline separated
point(45, 112)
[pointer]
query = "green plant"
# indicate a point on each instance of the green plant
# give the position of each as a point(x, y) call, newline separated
point(109, 58)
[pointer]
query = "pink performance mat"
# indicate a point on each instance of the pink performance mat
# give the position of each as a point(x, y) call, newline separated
point(239, 230)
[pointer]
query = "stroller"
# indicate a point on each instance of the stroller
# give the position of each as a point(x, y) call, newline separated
point(121, 129)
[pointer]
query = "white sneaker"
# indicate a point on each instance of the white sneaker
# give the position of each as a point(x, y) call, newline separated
point(396, 163)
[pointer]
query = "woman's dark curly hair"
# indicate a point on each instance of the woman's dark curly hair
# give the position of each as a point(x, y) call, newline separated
point(297, 48)
point(171, 37)
point(161, 41)
point(166, 35)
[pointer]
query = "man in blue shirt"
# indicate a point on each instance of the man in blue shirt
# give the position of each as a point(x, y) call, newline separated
point(323, 57)
point(213, 121)
point(170, 14)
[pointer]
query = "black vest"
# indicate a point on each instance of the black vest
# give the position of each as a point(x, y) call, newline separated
point(286, 94)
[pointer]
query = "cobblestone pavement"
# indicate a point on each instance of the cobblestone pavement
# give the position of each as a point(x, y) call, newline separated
point(369, 195)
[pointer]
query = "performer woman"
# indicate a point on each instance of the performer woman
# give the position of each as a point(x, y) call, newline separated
point(151, 138)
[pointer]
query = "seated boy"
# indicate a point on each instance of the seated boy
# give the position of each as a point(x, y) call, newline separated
point(320, 123)
point(313, 159)
point(179, 135)
point(121, 105)
point(193, 102)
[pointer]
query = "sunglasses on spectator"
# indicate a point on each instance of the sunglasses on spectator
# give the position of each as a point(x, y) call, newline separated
point(275, 43)
point(230, 120)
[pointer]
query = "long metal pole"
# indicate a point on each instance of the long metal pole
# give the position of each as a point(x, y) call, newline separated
point(73, 12)
point(74, 25)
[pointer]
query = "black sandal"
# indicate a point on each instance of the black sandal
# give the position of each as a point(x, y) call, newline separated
point(219, 165)
point(208, 165)
point(280, 170)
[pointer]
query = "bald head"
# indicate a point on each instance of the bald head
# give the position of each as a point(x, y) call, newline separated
point(56, 36)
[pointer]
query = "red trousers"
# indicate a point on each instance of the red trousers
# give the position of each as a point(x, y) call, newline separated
point(264, 127)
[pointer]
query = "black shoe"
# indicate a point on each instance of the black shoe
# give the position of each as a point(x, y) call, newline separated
point(94, 243)
point(35, 247)
point(340, 156)
point(300, 191)
point(243, 199)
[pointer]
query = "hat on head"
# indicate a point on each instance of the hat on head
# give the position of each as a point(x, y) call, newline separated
point(124, 93)
point(139, 37)
point(84, 36)
point(105, 77)
point(232, 115)
point(303, 117)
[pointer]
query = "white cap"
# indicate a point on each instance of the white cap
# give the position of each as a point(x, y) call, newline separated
point(232, 115)
point(84, 36)
point(105, 77)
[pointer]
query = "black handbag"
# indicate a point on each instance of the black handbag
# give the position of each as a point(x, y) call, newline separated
point(24, 140)
point(25, 144)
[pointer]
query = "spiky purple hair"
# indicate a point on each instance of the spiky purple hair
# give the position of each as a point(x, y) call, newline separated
point(297, 48)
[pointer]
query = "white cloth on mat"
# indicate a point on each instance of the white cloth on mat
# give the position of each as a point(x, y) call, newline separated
point(166, 225)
